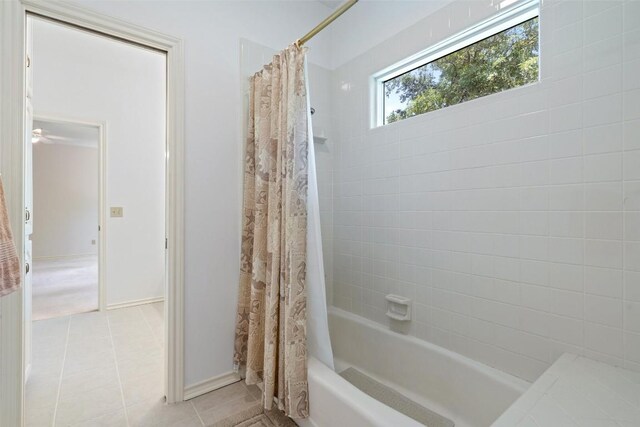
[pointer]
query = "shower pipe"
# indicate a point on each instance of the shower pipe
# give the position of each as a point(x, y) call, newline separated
point(328, 20)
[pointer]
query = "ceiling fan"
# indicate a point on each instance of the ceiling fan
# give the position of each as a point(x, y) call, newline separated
point(38, 135)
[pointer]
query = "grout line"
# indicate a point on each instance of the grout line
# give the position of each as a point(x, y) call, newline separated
point(146, 321)
point(64, 361)
point(115, 359)
point(196, 410)
point(625, 343)
point(584, 183)
point(162, 344)
point(164, 348)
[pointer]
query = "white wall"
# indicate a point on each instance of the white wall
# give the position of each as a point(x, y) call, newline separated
point(369, 23)
point(511, 221)
point(212, 32)
point(65, 197)
point(78, 75)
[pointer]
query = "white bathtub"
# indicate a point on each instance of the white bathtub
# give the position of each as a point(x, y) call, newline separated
point(468, 392)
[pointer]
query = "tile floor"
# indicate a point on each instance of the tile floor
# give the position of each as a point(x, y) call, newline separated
point(106, 369)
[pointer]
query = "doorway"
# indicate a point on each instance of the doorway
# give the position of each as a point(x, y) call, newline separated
point(65, 242)
point(13, 94)
point(81, 74)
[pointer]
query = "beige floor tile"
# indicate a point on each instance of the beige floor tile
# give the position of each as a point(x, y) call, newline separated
point(144, 341)
point(49, 334)
point(129, 315)
point(46, 354)
point(41, 390)
point(90, 316)
point(228, 408)
point(157, 308)
point(149, 352)
point(94, 324)
point(114, 419)
point(56, 328)
point(131, 368)
point(131, 347)
point(76, 407)
point(158, 333)
point(39, 415)
point(155, 413)
point(47, 364)
point(143, 387)
point(220, 397)
point(79, 345)
point(77, 352)
point(82, 382)
point(153, 314)
point(90, 339)
point(97, 360)
point(75, 363)
point(134, 329)
point(46, 346)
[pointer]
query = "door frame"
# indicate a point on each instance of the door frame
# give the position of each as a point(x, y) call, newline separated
point(101, 125)
point(13, 16)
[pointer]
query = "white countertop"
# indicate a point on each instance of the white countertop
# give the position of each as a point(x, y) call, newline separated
point(578, 392)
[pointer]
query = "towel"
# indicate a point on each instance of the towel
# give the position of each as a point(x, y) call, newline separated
point(9, 261)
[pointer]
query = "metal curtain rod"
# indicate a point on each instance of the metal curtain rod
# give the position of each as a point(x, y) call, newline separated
point(328, 20)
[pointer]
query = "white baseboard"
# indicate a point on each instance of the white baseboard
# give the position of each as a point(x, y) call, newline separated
point(134, 303)
point(211, 384)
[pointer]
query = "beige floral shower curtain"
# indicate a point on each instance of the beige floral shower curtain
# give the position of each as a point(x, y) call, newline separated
point(271, 338)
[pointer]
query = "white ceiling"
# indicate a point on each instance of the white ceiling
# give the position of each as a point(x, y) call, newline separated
point(67, 133)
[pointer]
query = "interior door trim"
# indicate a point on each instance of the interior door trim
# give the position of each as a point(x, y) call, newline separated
point(13, 16)
point(101, 125)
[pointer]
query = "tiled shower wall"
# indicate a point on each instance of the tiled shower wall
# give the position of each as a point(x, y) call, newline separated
point(511, 221)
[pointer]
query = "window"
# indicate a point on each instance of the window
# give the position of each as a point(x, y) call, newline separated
point(498, 54)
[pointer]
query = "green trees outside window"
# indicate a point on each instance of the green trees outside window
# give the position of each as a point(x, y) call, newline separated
point(503, 61)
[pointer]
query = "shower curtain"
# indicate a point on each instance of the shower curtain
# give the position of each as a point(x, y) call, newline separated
point(272, 315)
point(319, 342)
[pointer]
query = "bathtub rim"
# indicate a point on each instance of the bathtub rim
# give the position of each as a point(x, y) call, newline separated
point(502, 378)
point(364, 407)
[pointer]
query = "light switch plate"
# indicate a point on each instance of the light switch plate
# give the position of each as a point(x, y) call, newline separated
point(116, 212)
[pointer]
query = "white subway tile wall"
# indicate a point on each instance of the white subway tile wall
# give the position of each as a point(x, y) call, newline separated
point(512, 221)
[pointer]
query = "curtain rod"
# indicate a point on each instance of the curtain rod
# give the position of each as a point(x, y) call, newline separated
point(328, 20)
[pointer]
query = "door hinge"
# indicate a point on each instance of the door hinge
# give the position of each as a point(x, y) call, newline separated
point(166, 243)
point(28, 61)
point(27, 215)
